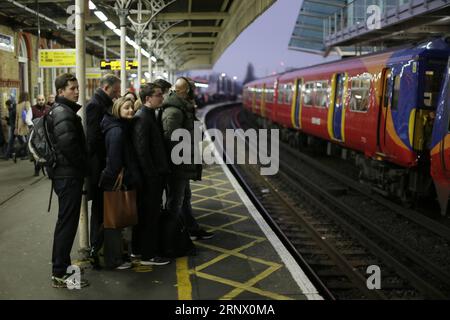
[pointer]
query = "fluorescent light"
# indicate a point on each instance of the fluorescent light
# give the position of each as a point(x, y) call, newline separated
point(117, 31)
point(201, 85)
point(110, 25)
point(101, 16)
point(145, 53)
point(153, 58)
point(147, 75)
point(92, 6)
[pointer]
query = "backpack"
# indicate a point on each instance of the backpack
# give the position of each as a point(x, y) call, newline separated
point(39, 143)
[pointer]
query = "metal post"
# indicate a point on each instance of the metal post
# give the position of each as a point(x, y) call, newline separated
point(150, 67)
point(53, 77)
point(139, 56)
point(123, 55)
point(80, 46)
point(104, 48)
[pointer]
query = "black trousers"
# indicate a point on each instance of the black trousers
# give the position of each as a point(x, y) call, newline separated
point(69, 191)
point(179, 202)
point(145, 239)
point(97, 232)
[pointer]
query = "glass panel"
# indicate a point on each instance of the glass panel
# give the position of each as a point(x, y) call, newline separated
point(359, 92)
point(395, 93)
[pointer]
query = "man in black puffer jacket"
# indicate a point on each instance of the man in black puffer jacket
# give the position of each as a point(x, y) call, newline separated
point(67, 137)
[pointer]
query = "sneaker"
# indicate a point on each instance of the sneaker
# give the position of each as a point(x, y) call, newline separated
point(201, 235)
point(62, 282)
point(155, 261)
point(124, 266)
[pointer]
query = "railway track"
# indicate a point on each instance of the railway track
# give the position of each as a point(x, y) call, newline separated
point(333, 240)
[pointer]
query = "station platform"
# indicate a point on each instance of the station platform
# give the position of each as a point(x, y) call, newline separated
point(244, 260)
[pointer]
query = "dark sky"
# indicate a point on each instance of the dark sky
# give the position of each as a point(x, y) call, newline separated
point(265, 44)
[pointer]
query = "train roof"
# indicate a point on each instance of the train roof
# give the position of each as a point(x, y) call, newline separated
point(404, 52)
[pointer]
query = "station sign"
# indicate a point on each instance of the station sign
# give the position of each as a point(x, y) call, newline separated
point(115, 64)
point(93, 73)
point(57, 58)
point(6, 42)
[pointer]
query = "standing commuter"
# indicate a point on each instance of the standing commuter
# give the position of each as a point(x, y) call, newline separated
point(120, 155)
point(148, 142)
point(98, 106)
point(67, 137)
point(50, 100)
point(179, 113)
point(11, 104)
point(39, 110)
point(23, 124)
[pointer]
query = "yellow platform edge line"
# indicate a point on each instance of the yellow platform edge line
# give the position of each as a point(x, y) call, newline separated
point(183, 279)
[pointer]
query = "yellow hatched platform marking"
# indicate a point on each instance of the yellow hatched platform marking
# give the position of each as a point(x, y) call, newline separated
point(264, 293)
point(250, 283)
point(217, 181)
point(183, 279)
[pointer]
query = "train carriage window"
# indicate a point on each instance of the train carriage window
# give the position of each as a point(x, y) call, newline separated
point(321, 89)
point(289, 93)
point(281, 92)
point(359, 92)
point(308, 94)
point(395, 93)
point(432, 86)
point(269, 95)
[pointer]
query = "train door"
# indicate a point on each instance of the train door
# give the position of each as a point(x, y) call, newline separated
point(338, 106)
point(440, 151)
point(445, 150)
point(391, 90)
point(263, 100)
point(297, 105)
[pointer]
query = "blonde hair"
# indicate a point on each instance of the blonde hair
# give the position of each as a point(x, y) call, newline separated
point(137, 105)
point(118, 104)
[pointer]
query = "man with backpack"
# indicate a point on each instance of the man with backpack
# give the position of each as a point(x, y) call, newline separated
point(39, 110)
point(65, 132)
point(178, 112)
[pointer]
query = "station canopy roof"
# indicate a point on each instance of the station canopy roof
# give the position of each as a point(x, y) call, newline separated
point(186, 34)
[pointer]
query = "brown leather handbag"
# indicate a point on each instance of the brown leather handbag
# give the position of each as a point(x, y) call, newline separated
point(120, 208)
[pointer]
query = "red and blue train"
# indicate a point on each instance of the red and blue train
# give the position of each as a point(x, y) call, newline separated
point(390, 108)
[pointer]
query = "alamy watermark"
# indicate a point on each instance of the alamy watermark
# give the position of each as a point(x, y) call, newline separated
point(208, 150)
point(74, 280)
point(374, 280)
point(374, 20)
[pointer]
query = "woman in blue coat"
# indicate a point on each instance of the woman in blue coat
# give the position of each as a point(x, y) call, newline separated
point(119, 155)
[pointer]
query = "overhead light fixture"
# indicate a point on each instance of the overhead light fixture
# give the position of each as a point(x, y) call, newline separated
point(145, 53)
point(153, 58)
point(110, 25)
point(101, 16)
point(92, 6)
point(117, 31)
